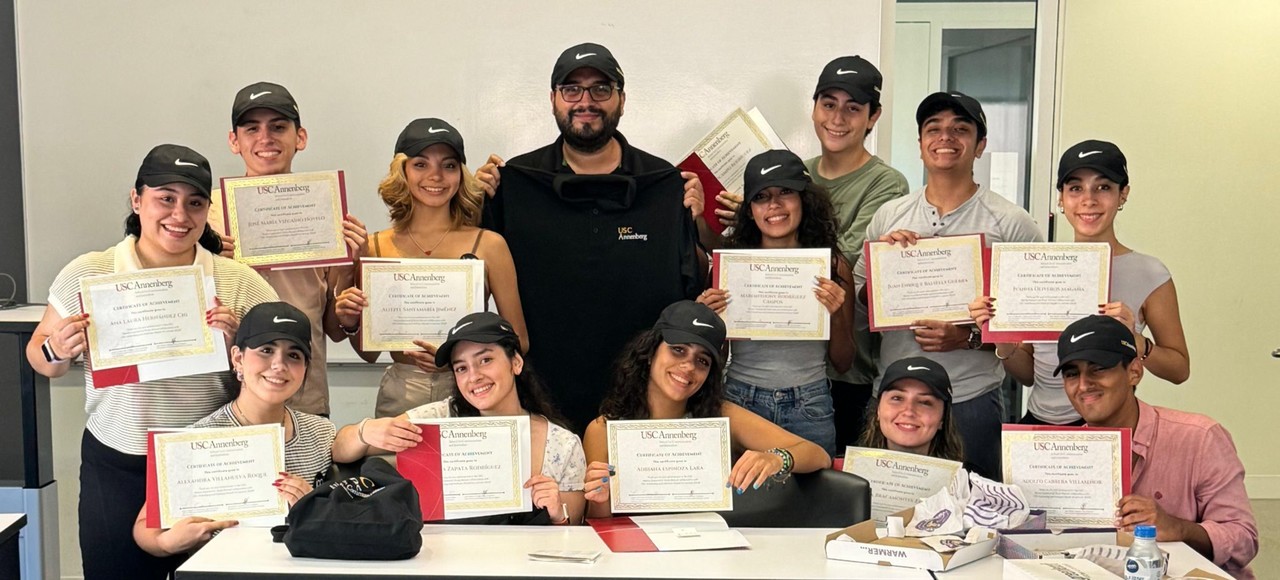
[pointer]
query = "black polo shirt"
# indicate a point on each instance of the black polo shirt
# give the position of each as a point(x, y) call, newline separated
point(597, 259)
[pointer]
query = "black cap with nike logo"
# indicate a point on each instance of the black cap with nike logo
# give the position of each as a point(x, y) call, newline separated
point(1101, 340)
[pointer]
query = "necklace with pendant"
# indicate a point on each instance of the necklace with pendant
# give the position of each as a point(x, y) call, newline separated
point(433, 248)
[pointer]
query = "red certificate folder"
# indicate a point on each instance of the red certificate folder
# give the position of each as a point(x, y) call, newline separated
point(990, 336)
point(422, 466)
point(711, 187)
point(622, 535)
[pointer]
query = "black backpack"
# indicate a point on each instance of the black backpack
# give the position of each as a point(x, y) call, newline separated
point(375, 516)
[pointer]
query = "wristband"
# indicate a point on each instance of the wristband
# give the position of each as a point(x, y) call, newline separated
point(1006, 357)
point(564, 509)
point(788, 462)
point(360, 431)
point(49, 355)
point(1146, 352)
point(349, 331)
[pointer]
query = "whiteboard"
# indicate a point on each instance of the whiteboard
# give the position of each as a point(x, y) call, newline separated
point(102, 81)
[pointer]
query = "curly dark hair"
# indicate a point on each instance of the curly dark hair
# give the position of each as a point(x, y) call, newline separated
point(818, 225)
point(628, 396)
point(533, 396)
point(946, 442)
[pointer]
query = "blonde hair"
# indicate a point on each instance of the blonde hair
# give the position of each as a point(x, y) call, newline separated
point(464, 206)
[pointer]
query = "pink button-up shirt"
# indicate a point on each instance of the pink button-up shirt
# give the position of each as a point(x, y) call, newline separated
point(1188, 464)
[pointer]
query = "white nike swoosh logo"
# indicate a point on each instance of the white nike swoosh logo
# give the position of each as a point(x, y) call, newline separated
point(181, 162)
point(500, 326)
point(278, 320)
point(1084, 154)
point(459, 327)
point(582, 56)
point(256, 95)
point(696, 323)
point(435, 130)
point(841, 71)
point(1080, 336)
point(764, 171)
point(911, 368)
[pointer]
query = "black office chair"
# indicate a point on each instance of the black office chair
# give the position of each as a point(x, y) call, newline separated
point(823, 499)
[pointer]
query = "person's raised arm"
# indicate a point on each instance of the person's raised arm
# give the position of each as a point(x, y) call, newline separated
point(596, 485)
point(375, 436)
point(66, 341)
point(757, 436)
point(1169, 359)
point(186, 535)
point(1018, 358)
point(837, 297)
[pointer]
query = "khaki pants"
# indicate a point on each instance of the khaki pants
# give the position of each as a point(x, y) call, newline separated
point(405, 386)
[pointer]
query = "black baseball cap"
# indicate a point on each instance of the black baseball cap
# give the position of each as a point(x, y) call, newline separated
point(482, 327)
point(853, 75)
point(174, 164)
point(921, 369)
point(688, 322)
point(422, 133)
point(1101, 340)
point(959, 103)
point(1102, 156)
point(775, 167)
point(272, 321)
point(587, 54)
point(264, 95)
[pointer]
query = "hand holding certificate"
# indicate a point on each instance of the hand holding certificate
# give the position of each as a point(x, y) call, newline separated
point(720, 157)
point(1076, 474)
point(772, 293)
point(935, 279)
point(898, 480)
point(416, 299)
point(219, 474)
point(470, 466)
point(1044, 287)
point(292, 220)
point(678, 465)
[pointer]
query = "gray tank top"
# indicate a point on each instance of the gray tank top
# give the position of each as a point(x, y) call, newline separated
point(778, 364)
point(1134, 277)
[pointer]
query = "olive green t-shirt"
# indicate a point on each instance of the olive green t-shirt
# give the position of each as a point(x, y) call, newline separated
point(856, 197)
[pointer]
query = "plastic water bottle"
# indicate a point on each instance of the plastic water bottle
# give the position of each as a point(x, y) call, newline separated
point(1144, 560)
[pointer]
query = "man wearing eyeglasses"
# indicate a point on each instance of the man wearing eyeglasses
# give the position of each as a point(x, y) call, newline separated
point(602, 233)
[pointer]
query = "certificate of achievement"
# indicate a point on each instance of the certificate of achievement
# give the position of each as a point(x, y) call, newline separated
point(1076, 474)
point(416, 299)
point(898, 480)
point(677, 465)
point(720, 158)
point(935, 279)
point(149, 315)
point(292, 220)
point(470, 466)
point(1043, 287)
point(772, 293)
point(219, 474)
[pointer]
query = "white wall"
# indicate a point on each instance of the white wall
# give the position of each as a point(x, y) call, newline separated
point(1188, 91)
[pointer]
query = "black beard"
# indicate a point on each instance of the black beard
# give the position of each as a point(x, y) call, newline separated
point(586, 139)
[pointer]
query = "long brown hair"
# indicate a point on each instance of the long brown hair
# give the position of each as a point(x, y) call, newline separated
point(464, 206)
point(628, 397)
point(946, 443)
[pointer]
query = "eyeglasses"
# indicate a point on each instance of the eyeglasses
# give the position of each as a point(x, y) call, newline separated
point(573, 93)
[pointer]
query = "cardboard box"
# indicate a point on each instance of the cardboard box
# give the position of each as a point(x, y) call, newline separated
point(1026, 544)
point(906, 552)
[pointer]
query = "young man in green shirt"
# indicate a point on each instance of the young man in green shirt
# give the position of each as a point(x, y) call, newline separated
point(846, 106)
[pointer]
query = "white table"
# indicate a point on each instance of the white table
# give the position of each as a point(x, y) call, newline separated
point(501, 552)
point(10, 525)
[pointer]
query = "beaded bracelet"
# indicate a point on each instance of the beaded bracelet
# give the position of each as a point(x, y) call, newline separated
point(788, 462)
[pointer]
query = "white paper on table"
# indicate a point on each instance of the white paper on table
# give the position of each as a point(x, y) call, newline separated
point(771, 293)
point(668, 532)
point(670, 465)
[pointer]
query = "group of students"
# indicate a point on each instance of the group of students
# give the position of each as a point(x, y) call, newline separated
point(792, 405)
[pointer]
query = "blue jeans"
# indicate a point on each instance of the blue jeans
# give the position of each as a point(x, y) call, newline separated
point(804, 410)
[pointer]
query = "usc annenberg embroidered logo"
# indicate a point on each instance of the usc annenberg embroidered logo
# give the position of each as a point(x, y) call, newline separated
point(629, 233)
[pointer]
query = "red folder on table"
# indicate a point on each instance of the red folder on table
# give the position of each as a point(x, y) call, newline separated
point(422, 465)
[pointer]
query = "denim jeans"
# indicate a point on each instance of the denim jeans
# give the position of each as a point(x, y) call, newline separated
point(804, 410)
point(978, 421)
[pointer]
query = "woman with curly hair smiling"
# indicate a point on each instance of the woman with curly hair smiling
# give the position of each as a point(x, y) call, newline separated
point(674, 371)
point(786, 381)
point(434, 204)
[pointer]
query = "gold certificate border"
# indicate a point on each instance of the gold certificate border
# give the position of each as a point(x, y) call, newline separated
point(339, 251)
point(908, 458)
point(742, 259)
point(1114, 438)
point(720, 424)
point(512, 424)
point(880, 297)
point(163, 487)
point(737, 116)
point(1104, 275)
point(469, 268)
point(100, 362)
